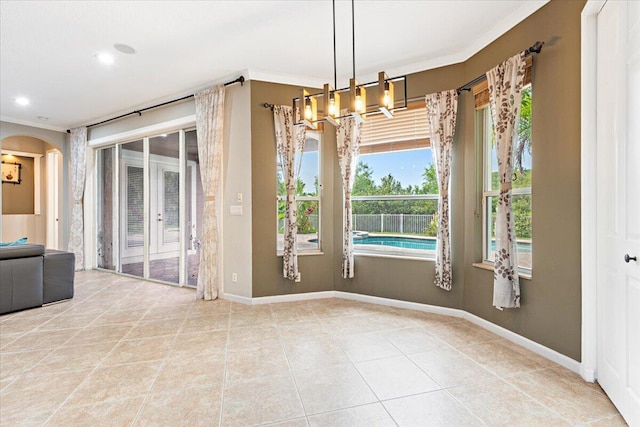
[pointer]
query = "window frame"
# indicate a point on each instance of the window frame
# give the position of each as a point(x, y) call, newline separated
point(424, 255)
point(317, 199)
point(487, 192)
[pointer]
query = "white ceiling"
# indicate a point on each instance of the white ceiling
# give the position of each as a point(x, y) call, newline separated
point(48, 48)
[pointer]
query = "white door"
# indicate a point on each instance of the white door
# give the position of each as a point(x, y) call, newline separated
point(53, 205)
point(618, 212)
point(167, 205)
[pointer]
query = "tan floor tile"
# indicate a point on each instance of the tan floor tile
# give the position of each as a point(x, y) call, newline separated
point(316, 350)
point(257, 362)
point(34, 394)
point(293, 314)
point(370, 346)
point(613, 421)
point(99, 334)
point(429, 320)
point(340, 326)
point(500, 358)
point(167, 312)
point(20, 325)
point(155, 328)
point(331, 388)
point(205, 323)
point(139, 350)
point(252, 337)
point(74, 358)
point(202, 343)
point(115, 382)
point(207, 308)
point(195, 371)
point(189, 407)
point(373, 415)
point(437, 409)
point(297, 422)
point(65, 322)
point(413, 340)
point(251, 318)
point(300, 331)
point(395, 377)
point(115, 317)
point(27, 420)
point(112, 413)
point(448, 367)
point(7, 339)
point(36, 340)
point(248, 308)
point(276, 398)
point(12, 364)
point(497, 403)
point(462, 333)
point(566, 393)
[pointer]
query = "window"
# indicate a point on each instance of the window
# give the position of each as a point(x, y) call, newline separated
point(521, 185)
point(395, 193)
point(308, 188)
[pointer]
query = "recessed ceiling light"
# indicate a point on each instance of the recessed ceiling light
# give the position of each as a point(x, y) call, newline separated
point(21, 100)
point(105, 58)
point(123, 48)
point(43, 118)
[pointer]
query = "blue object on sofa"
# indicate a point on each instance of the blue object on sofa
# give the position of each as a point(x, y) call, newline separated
point(20, 241)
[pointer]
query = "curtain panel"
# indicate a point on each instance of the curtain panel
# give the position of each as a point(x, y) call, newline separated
point(78, 172)
point(209, 130)
point(290, 141)
point(442, 110)
point(348, 141)
point(505, 86)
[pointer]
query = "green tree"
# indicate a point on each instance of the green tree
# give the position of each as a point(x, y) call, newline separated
point(430, 180)
point(523, 144)
point(364, 185)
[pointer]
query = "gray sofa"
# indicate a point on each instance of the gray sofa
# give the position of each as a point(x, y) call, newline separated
point(31, 276)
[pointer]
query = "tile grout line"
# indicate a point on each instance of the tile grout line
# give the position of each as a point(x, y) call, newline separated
point(224, 376)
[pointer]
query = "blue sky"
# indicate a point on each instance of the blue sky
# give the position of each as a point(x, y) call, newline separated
point(406, 166)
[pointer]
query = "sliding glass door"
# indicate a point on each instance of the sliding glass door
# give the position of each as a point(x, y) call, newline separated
point(147, 215)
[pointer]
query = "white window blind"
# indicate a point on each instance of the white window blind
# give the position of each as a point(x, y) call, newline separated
point(407, 130)
point(135, 207)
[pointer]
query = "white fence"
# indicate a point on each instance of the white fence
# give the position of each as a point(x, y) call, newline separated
point(391, 223)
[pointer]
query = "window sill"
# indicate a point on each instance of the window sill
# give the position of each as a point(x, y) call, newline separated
point(306, 253)
point(489, 267)
point(395, 256)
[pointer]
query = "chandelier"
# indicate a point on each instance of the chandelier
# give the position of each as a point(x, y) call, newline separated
point(358, 108)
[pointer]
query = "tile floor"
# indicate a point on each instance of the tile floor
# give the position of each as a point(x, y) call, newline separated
point(129, 352)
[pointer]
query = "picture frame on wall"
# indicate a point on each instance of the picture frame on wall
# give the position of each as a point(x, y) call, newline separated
point(11, 173)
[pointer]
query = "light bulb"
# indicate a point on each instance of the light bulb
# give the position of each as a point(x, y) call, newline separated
point(359, 105)
point(387, 99)
point(308, 114)
point(332, 105)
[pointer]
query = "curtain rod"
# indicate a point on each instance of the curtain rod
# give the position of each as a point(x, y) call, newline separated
point(139, 112)
point(267, 105)
point(536, 48)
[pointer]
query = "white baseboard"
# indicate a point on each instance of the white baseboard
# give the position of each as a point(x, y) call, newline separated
point(446, 311)
point(533, 346)
point(546, 352)
point(588, 373)
point(235, 298)
point(293, 297)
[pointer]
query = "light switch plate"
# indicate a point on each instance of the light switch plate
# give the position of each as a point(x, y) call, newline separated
point(235, 210)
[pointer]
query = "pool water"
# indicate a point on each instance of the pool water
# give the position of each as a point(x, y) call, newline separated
point(398, 242)
point(417, 243)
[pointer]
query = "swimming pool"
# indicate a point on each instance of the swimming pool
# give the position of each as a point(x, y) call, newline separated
point(425, 244)
point(398, 242)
